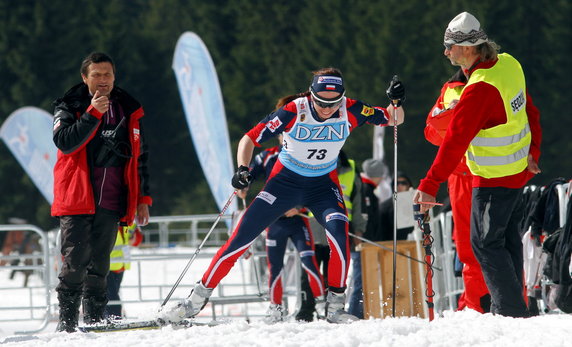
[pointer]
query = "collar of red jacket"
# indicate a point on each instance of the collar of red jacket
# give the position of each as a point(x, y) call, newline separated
point(367, 180)
point(479, 65)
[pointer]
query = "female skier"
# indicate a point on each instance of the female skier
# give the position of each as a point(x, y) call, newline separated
point(288, 226)
point(315, 126)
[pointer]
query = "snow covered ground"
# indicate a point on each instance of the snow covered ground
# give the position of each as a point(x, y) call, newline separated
point(466, 328)
point(454, 329)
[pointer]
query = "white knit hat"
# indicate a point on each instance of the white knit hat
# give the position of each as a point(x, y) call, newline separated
point(374, 168)
point(465, 30)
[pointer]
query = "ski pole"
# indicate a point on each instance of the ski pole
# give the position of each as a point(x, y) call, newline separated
point(389, 249)
point(254, 266)
point(394, 103)
point(423, 222)
point(244, 291)
point(199, 249)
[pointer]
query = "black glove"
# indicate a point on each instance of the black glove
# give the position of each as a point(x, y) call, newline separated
point(396, 92)
point(241, 178)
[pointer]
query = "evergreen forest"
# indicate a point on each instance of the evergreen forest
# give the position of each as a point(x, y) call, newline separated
point(263, 50)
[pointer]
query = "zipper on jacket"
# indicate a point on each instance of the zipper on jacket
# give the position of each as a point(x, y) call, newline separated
point(102, 185)
point(108, 114)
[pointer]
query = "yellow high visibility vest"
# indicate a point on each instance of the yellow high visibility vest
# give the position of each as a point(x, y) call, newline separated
point(451, 94)
point(121, 249)
point(502, 150)
point(347, 183)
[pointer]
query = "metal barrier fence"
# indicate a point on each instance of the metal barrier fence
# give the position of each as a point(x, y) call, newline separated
point(29, 262)
point(252, 285)
point(46, 263)
point(563, 198)
point(447, 287)
point(166, 235)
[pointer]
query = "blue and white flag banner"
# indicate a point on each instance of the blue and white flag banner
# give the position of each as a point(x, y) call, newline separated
point(204, 109)
point(28, 134)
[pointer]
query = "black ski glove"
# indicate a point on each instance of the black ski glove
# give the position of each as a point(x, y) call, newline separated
point(241, 178)
point(396, 92)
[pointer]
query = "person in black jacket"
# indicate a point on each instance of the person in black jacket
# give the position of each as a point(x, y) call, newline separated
point(100, 179)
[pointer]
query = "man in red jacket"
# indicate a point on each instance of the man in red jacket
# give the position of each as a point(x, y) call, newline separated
point(475, 294)
point(100, 179)
point(496, 125)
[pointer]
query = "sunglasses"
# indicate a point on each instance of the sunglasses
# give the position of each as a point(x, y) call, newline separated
point(323, 104)
point(448, 46)
point(405, 183)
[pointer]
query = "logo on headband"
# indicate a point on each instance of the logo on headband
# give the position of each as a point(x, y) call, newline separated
point(330, 79)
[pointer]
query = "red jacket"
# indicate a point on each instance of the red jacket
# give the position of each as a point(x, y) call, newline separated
point(75, 124)
point(436, 125)
point(480, 107)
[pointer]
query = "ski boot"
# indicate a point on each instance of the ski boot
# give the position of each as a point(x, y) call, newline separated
point(189, 307)
point(321, 308)
point(335, 309)
point(275, 314)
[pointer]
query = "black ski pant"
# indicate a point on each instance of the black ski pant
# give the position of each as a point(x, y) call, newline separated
point(87, 242)
point(495, 239)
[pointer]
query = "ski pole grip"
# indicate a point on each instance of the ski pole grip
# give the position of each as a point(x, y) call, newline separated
point(395, 79)
point(417, 214)
point(246, 177)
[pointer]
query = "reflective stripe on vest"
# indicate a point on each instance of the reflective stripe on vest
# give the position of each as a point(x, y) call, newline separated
point(121, 241)
point(347, 182)
point(502, 150)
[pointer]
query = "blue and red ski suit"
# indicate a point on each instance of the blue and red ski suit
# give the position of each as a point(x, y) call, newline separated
point(304, 175)
point(295, 228)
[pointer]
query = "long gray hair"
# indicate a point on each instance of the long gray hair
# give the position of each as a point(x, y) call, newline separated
point(488, 50)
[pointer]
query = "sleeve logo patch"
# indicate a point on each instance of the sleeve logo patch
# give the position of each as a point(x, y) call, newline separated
point(367, 111)
point(274, 124)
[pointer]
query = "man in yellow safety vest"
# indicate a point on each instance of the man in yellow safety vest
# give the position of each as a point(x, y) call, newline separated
point(496, 126)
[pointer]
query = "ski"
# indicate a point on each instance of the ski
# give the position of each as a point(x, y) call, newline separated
point(140, 325)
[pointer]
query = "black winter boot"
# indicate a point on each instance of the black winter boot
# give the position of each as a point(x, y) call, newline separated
point(69, 311)
point(93, 308)
point(308, 305)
